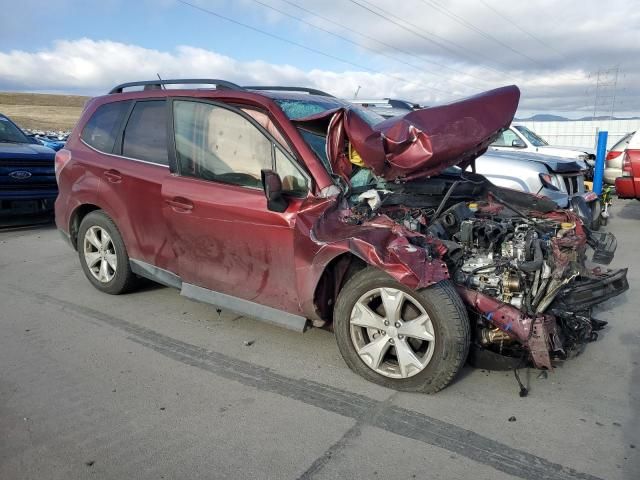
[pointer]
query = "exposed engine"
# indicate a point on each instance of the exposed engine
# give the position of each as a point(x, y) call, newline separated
point(522, 273)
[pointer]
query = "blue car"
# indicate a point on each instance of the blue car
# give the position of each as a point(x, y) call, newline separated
point(27, 174)
point(54, 144)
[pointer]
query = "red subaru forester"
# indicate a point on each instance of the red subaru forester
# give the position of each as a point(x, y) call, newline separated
point(297, 208)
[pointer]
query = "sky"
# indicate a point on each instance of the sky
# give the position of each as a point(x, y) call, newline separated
point(426, 51)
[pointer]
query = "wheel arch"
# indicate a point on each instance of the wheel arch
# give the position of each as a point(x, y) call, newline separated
point(76, 218)
point(333, 277)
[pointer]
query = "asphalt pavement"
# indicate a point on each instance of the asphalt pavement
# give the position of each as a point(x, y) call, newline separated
point(151, 385)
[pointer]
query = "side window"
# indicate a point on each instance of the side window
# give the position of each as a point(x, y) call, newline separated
point(102, 128)
point(145, 136)
point(506, 139)
point(214, 143)
point(293, 181)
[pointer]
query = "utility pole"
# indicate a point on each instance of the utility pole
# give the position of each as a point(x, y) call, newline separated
point(606, 85)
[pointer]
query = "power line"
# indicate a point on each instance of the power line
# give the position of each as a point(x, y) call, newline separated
point(511, 22)
point(416, 30)
point(486, 35)
point(346, 39)
point(291, 42)
point(368, 37)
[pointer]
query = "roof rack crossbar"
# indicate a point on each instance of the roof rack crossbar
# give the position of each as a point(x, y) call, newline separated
point(220, 84)
point(311, 91)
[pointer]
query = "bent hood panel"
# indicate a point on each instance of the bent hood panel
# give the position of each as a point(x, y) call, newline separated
point(423, 142)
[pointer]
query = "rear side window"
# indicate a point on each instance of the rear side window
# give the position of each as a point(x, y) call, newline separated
point(102, 128)
point(145, 136)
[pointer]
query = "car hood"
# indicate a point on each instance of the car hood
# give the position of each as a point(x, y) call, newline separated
point(421, 143)
point(25, 151)
point(555, 164)
point(565, 151)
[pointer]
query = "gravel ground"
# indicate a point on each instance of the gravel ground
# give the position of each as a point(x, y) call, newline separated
point(152, 385)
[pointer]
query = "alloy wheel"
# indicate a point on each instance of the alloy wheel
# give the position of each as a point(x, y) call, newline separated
point(100, 254)
point(392, 332)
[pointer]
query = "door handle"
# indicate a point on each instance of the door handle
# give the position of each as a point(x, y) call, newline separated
point(180, 204)
point(113, 176)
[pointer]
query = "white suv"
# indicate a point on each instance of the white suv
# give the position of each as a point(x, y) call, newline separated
point(522, 139)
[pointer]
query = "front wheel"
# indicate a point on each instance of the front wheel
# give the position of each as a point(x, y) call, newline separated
point(400, 338)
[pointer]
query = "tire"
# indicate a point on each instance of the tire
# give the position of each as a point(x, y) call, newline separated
point(438, 362)
point(596, 217)
point(113, 281)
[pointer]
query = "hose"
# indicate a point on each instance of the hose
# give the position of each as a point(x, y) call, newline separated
point(536, 263)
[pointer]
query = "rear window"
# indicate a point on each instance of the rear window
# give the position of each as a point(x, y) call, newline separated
point(145, 136)
point(102, 128)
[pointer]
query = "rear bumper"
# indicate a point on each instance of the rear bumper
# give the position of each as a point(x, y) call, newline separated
point(611, 174)
point(625, 187)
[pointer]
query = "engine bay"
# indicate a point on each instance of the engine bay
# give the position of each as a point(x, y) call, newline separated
point(516, 266)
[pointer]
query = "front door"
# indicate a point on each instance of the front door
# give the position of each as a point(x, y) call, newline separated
point(225, 238)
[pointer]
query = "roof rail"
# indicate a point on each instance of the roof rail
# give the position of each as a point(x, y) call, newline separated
point(310, 91)
point(158, 84)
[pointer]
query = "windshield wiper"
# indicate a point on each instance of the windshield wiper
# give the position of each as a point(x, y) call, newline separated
point(2, 140)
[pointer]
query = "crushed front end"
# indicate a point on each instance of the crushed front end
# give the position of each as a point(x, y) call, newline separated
point(518, 262)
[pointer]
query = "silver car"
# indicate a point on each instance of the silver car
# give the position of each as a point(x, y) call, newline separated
point(560, 179)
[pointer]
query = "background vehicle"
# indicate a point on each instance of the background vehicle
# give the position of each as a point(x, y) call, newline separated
point(246, 198)
point(52, 142)
point(522, 139)
point(559, 179)
point(628, 185)
point(613, 161)
point(27, 181)
point(387, 107)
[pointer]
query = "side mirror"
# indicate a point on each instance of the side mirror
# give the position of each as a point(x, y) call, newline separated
point(272, 185)
point(517, 143)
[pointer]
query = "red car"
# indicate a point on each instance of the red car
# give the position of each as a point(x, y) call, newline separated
point(628, 185)
point(300, 209)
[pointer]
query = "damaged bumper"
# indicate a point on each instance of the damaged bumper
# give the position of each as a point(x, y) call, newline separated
point(586, 292)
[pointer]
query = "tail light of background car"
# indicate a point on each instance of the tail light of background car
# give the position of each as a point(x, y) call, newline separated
point(612, 154)
point(626, 165)
point(62, 158)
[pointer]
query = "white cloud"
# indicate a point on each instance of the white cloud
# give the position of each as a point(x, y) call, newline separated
point(92, 67)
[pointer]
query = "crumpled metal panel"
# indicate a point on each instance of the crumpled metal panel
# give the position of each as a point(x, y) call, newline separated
point(423, 142)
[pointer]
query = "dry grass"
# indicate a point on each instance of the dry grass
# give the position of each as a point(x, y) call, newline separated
point(42, 111)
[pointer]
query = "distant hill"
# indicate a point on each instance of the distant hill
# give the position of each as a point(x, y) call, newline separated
point(42, 111)
point(543, 117)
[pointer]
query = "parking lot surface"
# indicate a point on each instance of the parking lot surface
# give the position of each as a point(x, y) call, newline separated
point(152, 385)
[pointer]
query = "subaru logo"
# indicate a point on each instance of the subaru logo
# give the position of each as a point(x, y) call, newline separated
point(20, 174)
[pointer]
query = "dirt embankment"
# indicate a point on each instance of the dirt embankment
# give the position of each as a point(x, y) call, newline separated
point(42, 111)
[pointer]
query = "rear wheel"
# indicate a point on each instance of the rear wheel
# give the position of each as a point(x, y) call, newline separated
point(401, 338)
point(103, 255)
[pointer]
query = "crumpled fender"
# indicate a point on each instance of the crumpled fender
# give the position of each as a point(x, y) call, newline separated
point(383, 243)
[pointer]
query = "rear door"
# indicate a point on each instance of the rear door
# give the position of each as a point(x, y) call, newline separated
point(224, 236)
point(131, 183)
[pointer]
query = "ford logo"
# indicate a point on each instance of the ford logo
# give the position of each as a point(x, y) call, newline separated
point(20, 174)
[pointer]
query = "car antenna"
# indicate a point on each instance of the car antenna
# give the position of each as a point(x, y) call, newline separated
point(161, 84)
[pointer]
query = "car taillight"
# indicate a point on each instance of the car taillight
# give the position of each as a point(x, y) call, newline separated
point(612, 154)
point(626, 165)
point(547, 181)
point(62, 158)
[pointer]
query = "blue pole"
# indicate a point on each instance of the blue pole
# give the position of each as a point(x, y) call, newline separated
point(601, 151)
